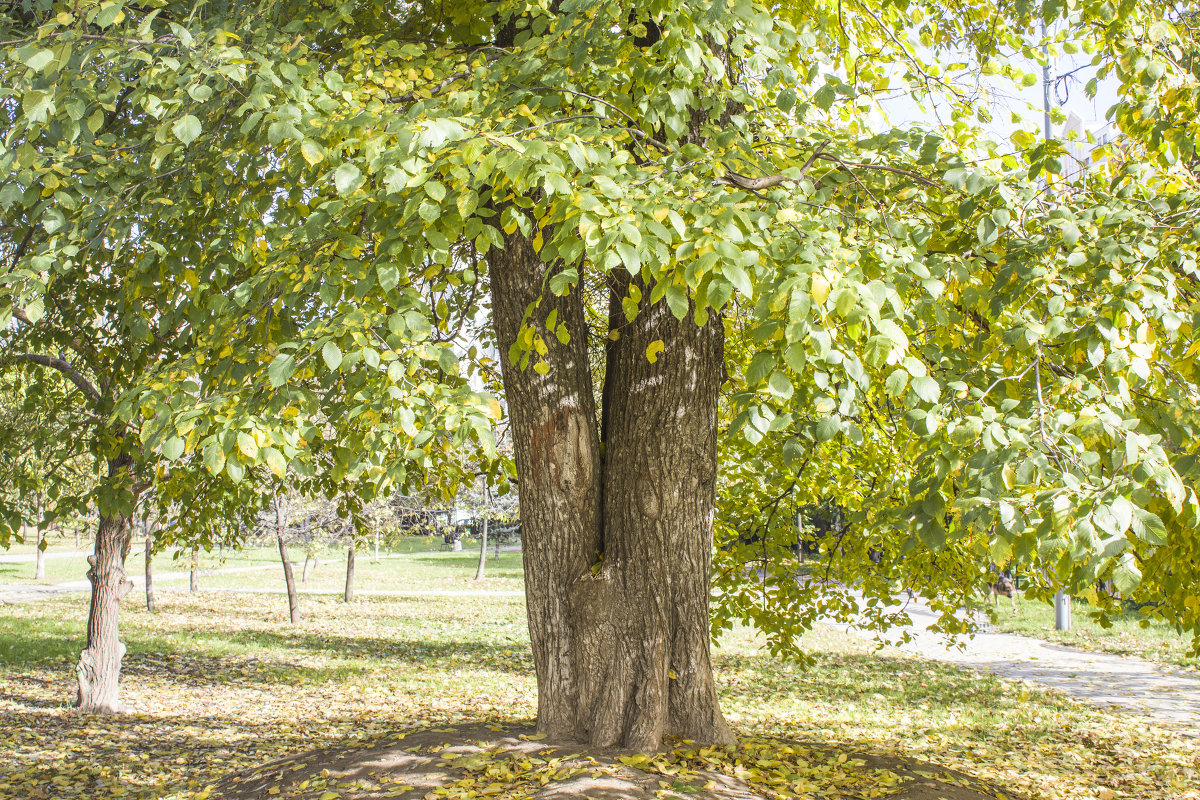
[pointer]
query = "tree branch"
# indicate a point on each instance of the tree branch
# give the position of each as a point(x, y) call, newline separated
point(62, 365)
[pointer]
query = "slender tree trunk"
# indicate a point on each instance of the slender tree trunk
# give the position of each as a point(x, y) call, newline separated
point(304, 574)
point(289, 577)
point(482, 551)
point(194, 573)
point(376, 560)
point(39, 567)
point(349, 594)
point(99, 669)
point(151, 604)
point(617, 551)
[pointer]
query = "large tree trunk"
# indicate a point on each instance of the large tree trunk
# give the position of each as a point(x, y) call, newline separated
point(652, 673)
point(557, 451)
point(99, 668)
point(482, 551)
point(151, 604)
point(288, 576)
point(349, 594)
point(617, 553)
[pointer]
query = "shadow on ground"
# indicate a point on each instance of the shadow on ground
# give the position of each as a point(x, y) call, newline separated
point(487, 760)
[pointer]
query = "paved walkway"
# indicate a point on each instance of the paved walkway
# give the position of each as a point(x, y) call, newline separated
point(1131, 684)
point(29, 558)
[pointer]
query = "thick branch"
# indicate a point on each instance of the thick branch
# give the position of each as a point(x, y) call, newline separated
point(65, 367)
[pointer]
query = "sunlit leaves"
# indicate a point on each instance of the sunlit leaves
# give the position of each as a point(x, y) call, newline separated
point(186, 128)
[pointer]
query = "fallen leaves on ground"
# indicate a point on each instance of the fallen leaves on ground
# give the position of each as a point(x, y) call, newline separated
point(221, 684)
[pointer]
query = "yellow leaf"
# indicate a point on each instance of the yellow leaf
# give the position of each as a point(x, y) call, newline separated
point(819, 289)
point(654, 349)
point(329, 796)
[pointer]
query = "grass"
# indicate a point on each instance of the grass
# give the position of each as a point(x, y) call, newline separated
point(61, 568)
point(1154, 641)
point(222, 682)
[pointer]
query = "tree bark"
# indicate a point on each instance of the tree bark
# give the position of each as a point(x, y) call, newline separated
point(557, 451)
point(151, 604)
point(349, 594)
point(660, 439)
point(482, 551)
point(39, 567)
point(99, 669)
point(288, 576)
point(617, 550)
point(194, 572)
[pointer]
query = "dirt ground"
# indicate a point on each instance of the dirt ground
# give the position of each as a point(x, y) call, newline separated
point(513, 762)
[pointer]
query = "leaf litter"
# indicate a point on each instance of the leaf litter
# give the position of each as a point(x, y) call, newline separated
point(221, 685)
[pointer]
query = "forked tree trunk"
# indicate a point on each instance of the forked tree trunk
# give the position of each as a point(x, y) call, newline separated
point(349, 594)
point(482, 551)
point(288, 576)
point(99, 669)
point(621, 651)
point(194, 572)
point(151, 605)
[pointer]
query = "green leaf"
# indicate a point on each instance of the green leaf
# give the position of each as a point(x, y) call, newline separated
point(347, 178)
point(35, 309)
point(214, 457)
point(312, 152)
point(878, 348)
point(332, 355)
point(779, 385)
point(172, 448)
point(186, 128)
point(38, 61)
point(926, 389)
point(1070, 233)
point(738, 277)
point(281, 369)
point(247, 445)
point(677, 301)
point(827, 428)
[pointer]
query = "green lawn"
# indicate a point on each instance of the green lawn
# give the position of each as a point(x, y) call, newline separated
point(1154, 640)
point(327, 575)
point(223, 682)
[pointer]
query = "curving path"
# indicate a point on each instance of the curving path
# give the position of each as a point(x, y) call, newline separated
point(1164, 694)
